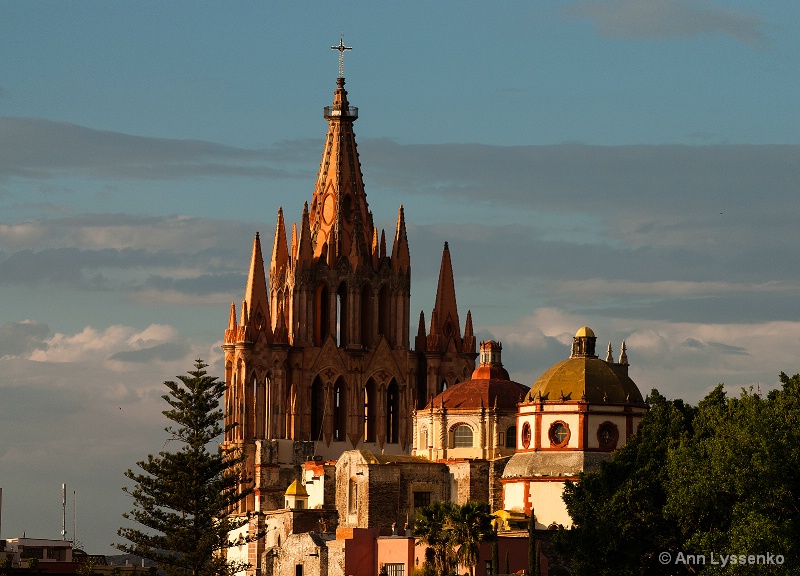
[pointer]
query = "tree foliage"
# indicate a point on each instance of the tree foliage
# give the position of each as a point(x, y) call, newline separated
point(721, 478)
point(453, 534)
point(181, 498)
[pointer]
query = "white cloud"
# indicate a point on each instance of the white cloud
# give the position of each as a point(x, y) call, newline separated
point(681, 359)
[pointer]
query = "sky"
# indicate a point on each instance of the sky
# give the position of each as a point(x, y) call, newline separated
point(630, 165)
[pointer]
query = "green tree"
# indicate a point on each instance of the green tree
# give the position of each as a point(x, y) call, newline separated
point(721, 478)
point(467, 527)
point(731, 488)
point(534, 547)
point(431, 528)
point(617, 511)
point(454, 534)
point(182, 497)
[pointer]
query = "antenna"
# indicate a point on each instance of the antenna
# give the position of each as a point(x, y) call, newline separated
point(74, 518)
point(64, 507)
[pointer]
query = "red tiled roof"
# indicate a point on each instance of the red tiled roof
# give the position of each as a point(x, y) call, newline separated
point(483, 391)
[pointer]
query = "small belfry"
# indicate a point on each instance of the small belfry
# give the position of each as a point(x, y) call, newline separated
point(318, 359)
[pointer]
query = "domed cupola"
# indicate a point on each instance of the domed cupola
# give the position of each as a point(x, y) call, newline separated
point(577, 413)
point(585, 377)
point(474, 418)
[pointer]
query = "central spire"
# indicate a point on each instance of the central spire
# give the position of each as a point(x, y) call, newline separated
point(340, 220)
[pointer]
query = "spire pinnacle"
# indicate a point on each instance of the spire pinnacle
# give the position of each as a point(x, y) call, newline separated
point(623, 355)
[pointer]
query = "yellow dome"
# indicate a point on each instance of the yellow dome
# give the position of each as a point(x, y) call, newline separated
point(296, 488)
point(585, 331)
point(586, 378)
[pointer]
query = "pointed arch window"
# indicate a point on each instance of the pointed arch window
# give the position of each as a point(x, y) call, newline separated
point(341, 315)
point(384, 306)
point(392, 413)
point(366, 316)
point(317, 408)
point(322, 315)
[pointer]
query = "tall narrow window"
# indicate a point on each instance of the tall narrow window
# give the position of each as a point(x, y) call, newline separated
point(339, 410)
point(352, 496)
point(384, 303)
point(366, 316)
point(341, 315)
point(370, 401)
point(317, 409)
point(392, 413)
point(322, 316)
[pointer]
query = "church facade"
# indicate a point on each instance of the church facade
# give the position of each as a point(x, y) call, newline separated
point(317, 357)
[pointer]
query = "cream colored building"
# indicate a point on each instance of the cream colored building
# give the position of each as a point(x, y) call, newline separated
point(574, 416)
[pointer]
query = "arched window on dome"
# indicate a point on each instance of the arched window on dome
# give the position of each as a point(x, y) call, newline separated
point(526, 435)
point(608, 436)
point(511, 437)
point(462, 436)
point(559, 434)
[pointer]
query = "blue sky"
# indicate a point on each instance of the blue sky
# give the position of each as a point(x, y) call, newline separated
point(632, 165)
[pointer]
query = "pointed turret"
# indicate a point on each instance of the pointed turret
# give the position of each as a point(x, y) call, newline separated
point(609, 354)
point(623, 354)
point(293, 246)
point(375, 249)
point(305, 252)
point(469, 334)
point(280, 253)
point(446, 308)
point(401, 258)
point(255, 308)
point(420, 342)
point(233, 327)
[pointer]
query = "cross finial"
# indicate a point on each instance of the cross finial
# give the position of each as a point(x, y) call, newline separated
point(341, 48)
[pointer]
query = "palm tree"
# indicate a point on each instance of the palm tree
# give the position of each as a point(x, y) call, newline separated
point(468, 526)
point(431, 527)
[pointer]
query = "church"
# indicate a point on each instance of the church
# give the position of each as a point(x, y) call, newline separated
point(346, 422)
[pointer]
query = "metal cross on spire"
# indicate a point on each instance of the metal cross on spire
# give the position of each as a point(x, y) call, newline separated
point(341, 48)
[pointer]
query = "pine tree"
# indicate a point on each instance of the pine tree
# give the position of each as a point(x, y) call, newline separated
point(182, 498)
